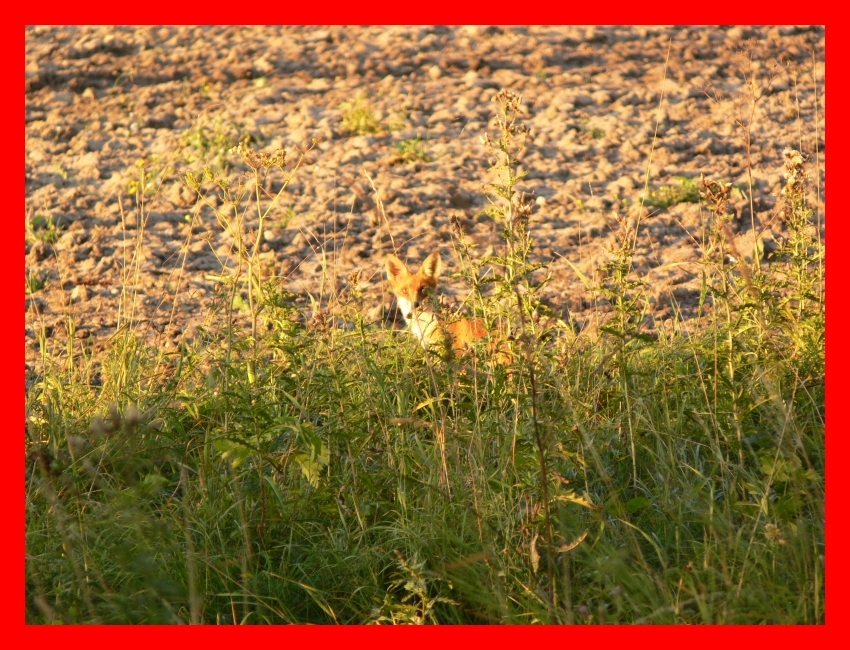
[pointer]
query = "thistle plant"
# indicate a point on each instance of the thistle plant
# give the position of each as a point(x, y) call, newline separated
point(800, 249)
point(416, 607)
point(745, 292)
point(715, 196)
point(512, 208)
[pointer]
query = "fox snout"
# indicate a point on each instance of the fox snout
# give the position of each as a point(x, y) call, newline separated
point(419, 299)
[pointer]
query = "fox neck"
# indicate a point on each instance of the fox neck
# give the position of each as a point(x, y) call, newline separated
point(422, 324)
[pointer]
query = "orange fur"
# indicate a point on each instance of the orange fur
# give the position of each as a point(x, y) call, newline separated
point(410, 288)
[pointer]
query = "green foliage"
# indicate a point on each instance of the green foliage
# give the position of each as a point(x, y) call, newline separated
point(357, 117)
point(412, 150)
point(41, 227)
point(685, 190)
point(589, 133)
point(209, 142)
point(148, 176)
point(398, 119)
point(416, 607)
point(34, 282)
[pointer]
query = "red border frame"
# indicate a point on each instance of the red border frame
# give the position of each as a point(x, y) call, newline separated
point(12, 263)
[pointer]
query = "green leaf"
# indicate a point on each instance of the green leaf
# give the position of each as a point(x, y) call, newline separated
point(638, 503)
point(581, 276)
point(534, 553)
point(309, 468)
point(275, 488)
point(572, 497)
point(313, 457)
point(231, 450)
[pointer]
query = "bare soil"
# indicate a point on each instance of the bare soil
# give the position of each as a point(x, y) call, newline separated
point(610, 109)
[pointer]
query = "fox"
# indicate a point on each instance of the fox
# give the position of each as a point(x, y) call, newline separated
point(410, 289)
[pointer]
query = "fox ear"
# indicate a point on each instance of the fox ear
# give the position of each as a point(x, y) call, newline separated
point(395, 267)
point(432, 266)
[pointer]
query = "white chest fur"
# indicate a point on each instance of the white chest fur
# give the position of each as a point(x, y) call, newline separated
point(422, 324)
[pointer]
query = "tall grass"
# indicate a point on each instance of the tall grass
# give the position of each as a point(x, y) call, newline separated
point(331, 471)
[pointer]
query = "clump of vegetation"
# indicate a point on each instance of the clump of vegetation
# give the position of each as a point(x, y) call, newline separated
point(147, 176)
point(684, 190)
point(285, 469)
point(209, 141)
point(398, 119)
point(34, 282)
point(411, 150)
point(588, 133)
point(41, 227)
point(357, 117)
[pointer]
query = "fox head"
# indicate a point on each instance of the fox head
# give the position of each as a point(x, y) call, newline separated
point(409, 288)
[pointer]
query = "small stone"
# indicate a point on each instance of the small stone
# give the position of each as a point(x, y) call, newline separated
point(362, 141)
point(80, 293)
point(601, 97)
point(262, 65)
point(736, 33)
point(441, 115)
point(319, 83)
